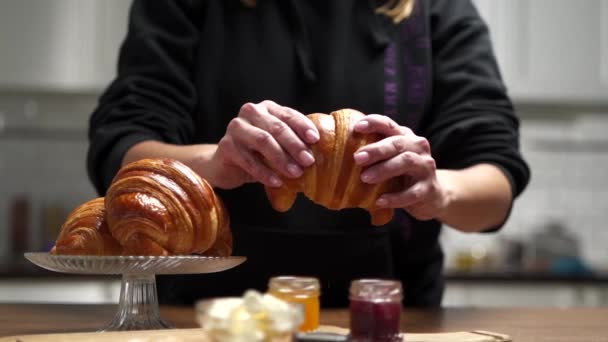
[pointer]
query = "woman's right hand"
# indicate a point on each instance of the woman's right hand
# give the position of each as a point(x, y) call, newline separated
point(264, 137)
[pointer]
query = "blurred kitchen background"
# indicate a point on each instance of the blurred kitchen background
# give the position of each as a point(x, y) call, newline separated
point(56, 57)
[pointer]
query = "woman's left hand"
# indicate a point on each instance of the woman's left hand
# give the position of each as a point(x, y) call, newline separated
point(401, 154)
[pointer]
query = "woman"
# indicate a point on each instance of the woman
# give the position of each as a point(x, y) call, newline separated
point(217, 84)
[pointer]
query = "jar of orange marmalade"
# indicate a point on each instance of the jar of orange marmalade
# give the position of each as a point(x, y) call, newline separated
point(299, 290)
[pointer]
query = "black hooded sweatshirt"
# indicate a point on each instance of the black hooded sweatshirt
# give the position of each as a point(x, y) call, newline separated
point(186, 67)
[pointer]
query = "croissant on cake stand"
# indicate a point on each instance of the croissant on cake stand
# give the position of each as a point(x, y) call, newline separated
point(162, 207)
point(155, 214)
point(85, 232)
point(333, 181)
point(152, 207)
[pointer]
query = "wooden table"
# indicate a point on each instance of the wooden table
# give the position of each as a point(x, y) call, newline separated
point(538, 325)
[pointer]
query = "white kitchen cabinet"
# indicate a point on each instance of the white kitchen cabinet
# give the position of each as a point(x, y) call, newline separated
point(523, 294)
point(551, 51)
point(60, 45)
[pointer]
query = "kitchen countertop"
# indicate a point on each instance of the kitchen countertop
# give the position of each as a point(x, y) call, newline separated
point(538, 325)
point(512, 277)
point(28, 270)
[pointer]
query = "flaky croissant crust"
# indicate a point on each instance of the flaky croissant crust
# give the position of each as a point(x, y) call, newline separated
point(162, 207)
point(333, 181)
point(85, 232)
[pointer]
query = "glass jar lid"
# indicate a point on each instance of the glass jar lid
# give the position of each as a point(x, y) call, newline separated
point(376, 290)
point(293, 284)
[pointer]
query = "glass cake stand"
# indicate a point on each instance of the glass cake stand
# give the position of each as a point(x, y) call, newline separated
point(138, 302)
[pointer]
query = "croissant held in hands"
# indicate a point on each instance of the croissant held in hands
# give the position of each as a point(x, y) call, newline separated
point(155, 207)
point(334, 180)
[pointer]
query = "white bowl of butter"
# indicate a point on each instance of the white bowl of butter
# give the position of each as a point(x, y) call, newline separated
point(255, 317)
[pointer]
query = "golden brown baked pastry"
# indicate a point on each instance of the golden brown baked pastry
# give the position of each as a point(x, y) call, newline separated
point(85, 232)
point(223, 242)
point(162, 207)
point(333, 181)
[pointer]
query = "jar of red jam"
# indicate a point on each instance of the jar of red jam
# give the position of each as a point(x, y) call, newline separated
point(375, 310)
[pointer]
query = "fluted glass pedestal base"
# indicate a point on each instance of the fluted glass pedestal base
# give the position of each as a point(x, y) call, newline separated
point(138, 302)
point(138, 305)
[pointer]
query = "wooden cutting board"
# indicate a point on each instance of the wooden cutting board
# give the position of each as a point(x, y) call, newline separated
point(168, 335)
point(198, 335)
point(460, 336)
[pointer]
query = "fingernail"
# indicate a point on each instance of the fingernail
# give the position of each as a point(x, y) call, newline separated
point(367, 177)
point(306, 158)
point(312, 136)
point(362, 125)
point(275, 181)
point(361, 157)
point(294, 170)
point(381, 202)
